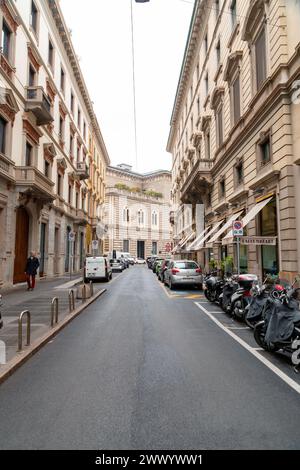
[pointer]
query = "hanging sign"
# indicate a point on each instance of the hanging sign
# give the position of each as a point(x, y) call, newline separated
point(237, 228)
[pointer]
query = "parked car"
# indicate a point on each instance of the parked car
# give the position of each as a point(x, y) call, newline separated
point(151, 260)
point(97, 268)
point(183, 273)
point(140, 261)
point(158, 266)
point(1, 321)
point(117, 266)
point(164, 266)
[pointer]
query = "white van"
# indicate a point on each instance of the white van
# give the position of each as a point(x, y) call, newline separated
point(97, 268)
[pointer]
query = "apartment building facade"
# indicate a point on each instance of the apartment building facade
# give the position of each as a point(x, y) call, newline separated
point(52, 155)
point(137, 211)
point(234, 134)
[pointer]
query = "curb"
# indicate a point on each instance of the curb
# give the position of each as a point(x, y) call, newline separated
point(22, 357)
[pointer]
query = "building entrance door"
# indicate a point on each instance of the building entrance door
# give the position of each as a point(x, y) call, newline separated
point(21, 245)
point(141, 249)
point(42, 250)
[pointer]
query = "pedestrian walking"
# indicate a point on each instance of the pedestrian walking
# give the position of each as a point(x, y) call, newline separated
point(32, 266)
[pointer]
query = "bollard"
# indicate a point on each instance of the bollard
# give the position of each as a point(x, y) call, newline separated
point(91, 288)
point(71, 300)
point(20, 339)
point(54, 310)
point(83, 293)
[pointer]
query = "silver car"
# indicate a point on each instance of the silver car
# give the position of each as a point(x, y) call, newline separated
point(183, 273)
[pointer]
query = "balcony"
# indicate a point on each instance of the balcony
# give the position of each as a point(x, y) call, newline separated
point(38, 103)
point(82, 170)
point(81, 217)
point(5, 65)
point(31, 181)
point(6, 168)
point(198, 181)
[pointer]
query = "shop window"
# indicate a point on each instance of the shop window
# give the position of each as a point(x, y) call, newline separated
point(268, 228)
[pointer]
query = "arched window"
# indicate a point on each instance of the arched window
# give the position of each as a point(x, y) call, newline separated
point(154, 219)
point(141, 217)
point(126, 215)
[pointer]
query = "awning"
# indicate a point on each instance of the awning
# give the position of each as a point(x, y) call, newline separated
point(188, 238)
point(224, 228)
point(197, 244)
point(190, 247)
point(251, 215)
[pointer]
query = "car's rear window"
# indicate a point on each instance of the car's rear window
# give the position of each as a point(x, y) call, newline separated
point(186, 265)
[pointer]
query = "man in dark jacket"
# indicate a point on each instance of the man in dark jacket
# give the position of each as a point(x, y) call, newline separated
point(31, 270)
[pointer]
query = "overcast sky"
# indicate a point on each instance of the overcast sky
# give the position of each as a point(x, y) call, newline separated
point(101, 33)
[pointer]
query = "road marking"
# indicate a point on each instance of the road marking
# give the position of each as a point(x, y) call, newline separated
point(238, 327)
point(253, 351)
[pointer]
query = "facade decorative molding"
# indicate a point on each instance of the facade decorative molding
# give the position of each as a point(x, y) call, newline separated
point(32, 132)
point(33, 57)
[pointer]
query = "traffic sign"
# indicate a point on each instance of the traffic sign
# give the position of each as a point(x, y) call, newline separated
point(237, 228)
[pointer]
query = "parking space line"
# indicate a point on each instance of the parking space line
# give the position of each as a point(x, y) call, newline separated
point(254, 351)
point(238, 327)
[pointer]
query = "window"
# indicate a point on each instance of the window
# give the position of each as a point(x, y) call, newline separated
point(61, 128)
point(76, 199)
point(79, 118)
point(78, 152)
point(206, 44)
point(6, 40)
point(47, 169)
point(198, 106)
point(126, 246)
point(207, 145)
point(51, 55)
point(71, 145)
point(154, 219)
point(59, 184)
point(222, 188)
point(72, 103)
point(239, 173)
point(28, 154)
point(265, 152)
point(260, 59)
point(236, 99)
point(198, 71)
point(34, 17)
point(126, 215)
point(217, 8)
point(70, 194)
point(84, 130)
point(268, 228)
point(218, 52)
point(140, 217)
point(206, 84)
point(219, 124)
point(62, 80)
point(32, 76)
point(233, 14)
point(3, 127)
point(154, 248)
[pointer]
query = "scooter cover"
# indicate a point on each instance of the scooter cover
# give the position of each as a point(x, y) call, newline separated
point(282, 321)
point(256, 307)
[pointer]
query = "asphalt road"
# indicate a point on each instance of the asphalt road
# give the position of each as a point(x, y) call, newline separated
point(140, 370)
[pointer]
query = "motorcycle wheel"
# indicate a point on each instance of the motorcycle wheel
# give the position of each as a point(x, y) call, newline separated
point(250, 324)
point(259, 336)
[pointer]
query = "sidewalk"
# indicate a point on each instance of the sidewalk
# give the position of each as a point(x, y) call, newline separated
point(38, 302)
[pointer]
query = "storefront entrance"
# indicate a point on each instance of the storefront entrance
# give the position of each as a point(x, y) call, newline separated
point(141, 249)
point(21, 244)
point(268, 228)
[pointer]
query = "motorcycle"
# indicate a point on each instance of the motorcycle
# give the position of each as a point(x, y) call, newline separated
point(261, 301)
point(280, 328)
point(213, 287)
point(241, 298)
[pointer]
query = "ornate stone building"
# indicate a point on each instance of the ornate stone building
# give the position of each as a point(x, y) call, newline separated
point(52, 154)
point(137, 211)
point(235, 136)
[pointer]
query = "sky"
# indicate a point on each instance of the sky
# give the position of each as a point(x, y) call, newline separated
point(101, 34)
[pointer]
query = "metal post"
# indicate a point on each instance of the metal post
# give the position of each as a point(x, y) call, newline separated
point(54, 310)
point(238, 255)
point(20, 339)
point(71, 300)
point(91, 288)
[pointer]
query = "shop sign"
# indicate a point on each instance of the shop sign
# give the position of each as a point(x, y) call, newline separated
point(258, 240)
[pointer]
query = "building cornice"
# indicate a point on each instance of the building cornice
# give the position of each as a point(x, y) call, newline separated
point(141, 176)
point(67, 43)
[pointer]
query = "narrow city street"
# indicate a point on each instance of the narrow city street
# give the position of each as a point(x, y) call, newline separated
point(141, 369)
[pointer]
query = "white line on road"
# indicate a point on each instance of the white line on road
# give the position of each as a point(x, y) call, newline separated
point(238, 327)
point(253, 351)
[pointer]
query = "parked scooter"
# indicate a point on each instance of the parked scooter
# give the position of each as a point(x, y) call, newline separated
point(280, 328)
point(241, 298)
point(213, 287)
